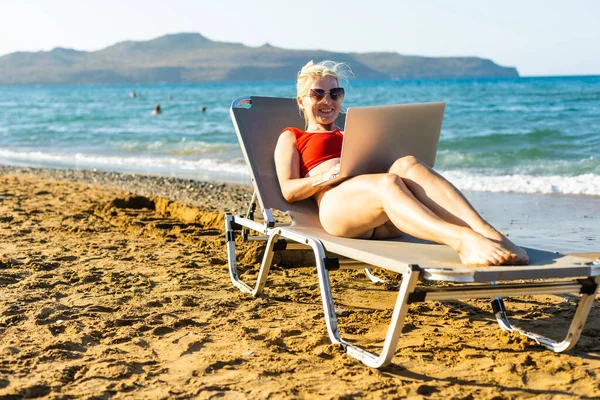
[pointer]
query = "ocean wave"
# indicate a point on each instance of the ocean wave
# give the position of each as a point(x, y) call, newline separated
point(169, 165)
point(534, 161)
point(179, 147)
point(586, 184)
point(205, 168)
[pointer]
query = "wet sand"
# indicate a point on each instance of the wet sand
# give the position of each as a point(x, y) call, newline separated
point(117, 285)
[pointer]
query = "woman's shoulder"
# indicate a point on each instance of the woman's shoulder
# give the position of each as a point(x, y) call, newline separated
point(294, 134)
point(300, 134)
point(295, 131)
point(289, 135)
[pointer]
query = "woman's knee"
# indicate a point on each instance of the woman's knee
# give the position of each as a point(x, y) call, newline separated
point(389, 181)
point(403, 165)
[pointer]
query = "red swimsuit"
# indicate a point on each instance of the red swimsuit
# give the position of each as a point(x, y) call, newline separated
point(314, 148)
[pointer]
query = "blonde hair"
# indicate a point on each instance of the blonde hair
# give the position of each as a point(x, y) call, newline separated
point(337, 70)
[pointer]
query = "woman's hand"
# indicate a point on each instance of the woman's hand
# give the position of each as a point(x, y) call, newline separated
point(333, 172)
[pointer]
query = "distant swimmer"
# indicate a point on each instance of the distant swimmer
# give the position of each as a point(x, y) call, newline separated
point(202, 109)
point(132, 94)
point(170, 97)
point(156, 110)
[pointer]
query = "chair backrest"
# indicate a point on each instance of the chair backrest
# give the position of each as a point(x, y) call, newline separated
point(258, 122)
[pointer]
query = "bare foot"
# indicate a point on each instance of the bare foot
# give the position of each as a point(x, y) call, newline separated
point(475, 249)
point(518, 255)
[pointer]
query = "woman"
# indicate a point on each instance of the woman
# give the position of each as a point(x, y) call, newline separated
point(410, 197)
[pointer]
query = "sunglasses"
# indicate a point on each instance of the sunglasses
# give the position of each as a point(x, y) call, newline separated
point(336, 94)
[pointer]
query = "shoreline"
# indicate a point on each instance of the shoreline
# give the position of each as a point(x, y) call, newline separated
point(118, 286)
point(557, 222)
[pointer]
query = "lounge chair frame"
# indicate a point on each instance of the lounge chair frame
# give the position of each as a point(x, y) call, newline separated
point(548, 273)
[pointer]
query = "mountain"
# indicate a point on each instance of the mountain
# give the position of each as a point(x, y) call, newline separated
point(191, 57)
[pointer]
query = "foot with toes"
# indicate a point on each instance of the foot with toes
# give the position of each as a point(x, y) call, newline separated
point(518, 255)
point(480, 250)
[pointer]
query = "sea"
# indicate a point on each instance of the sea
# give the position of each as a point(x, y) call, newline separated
point(527, 135)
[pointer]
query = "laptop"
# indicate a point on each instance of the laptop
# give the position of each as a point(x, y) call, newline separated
point(376, 136)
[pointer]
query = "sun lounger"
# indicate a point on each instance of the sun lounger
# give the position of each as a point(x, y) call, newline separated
point(258, 122)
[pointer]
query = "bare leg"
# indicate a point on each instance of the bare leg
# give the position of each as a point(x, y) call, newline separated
point(372, 200)
point(447, 202)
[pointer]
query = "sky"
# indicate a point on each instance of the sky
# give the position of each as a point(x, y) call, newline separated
point(539, 38)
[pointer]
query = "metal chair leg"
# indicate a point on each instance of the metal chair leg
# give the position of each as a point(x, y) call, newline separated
point(230, 228)
point(590, 288)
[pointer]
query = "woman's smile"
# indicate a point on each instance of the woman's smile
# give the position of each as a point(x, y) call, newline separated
point(322, 113)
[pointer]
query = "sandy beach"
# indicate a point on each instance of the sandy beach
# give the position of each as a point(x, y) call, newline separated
point(115, 285)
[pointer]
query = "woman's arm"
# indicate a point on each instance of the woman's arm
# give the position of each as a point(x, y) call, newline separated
point(287, 163)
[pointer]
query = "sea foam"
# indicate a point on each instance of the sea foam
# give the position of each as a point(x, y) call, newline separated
point(151, 165)
point(586, 184)
point(206, 168)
